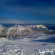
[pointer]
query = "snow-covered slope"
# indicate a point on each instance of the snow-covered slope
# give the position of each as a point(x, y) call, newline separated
point(17, 27)
point(23, 47)
point(17, 30)
point(1, 27)
point(29, 44)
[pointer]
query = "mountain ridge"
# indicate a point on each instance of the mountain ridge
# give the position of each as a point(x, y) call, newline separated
point(20, 31)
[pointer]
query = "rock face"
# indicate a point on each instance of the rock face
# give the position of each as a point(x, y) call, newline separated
point(20, 31)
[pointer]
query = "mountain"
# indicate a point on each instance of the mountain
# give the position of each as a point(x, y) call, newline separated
point(27, 30)
point(36, 26)
point(17, 27)
point(18, 30)
point(1, 27)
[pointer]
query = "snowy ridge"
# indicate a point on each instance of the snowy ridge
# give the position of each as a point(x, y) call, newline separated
point(20, 28)
point(20, 31)
point(17, 30)
point(36, 26)
point(17, 27)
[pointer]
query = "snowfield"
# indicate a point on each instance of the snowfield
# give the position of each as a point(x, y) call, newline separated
point(27, 46)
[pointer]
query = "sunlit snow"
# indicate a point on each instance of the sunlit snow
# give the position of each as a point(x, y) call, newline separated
point(26, 46)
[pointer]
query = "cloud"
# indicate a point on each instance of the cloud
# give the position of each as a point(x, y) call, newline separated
point(13, 21)
point(38, 8)
point(36, 11)
point(27, 9)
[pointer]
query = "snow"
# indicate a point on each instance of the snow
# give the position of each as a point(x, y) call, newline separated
point(26, 46)
point(1, 27)
point(41, 26)
point(36, 26)
point(17, 27)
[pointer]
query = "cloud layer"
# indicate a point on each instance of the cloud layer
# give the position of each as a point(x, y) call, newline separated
point(25, 10)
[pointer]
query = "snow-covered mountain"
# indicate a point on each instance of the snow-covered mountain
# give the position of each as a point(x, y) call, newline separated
point(3, 31)
point(19, 30)
point(28, 45)
point(36, 26)
point(17, 27)
point(1, 27)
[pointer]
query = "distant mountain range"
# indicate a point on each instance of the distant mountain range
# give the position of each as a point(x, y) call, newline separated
point(24, 30)
point(49, 26)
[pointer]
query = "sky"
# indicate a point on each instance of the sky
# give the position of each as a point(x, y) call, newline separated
point(27, 11)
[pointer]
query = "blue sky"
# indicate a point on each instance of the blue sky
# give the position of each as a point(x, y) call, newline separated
point(27, 11)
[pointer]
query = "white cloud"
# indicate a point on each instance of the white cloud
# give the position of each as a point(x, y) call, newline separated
point(13, 21)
